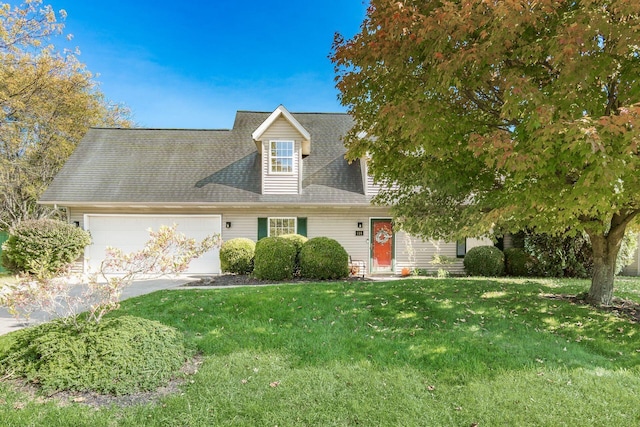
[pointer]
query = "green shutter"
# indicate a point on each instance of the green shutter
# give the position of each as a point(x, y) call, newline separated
point(302, 226)
point(262, 228)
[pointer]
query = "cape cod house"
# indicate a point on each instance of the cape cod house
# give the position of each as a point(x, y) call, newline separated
point(272, 173)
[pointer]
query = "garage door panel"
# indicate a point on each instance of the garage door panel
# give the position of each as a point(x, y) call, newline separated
point(130, 233)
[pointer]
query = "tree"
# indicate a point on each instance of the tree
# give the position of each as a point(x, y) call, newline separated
point(500, 115)
point(48, 100)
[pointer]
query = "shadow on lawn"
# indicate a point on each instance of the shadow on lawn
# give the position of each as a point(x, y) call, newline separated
point(454, 325)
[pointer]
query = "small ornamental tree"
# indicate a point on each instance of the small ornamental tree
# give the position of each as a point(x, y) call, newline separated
point(525, 114)
point(166, 252)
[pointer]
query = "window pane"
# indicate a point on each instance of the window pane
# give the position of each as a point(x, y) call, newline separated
point(280, 226)
point(281, 156)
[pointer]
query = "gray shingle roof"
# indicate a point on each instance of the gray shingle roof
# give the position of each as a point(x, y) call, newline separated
point(173, 167)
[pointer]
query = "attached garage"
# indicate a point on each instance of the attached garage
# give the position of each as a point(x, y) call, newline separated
point(130, 233)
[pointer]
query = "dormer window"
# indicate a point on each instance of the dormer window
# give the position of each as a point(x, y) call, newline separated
point(281, 157)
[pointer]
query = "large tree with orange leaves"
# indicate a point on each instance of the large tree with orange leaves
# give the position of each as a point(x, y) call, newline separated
point(500, 115)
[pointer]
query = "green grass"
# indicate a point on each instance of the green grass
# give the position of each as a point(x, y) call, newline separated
point(415, 352)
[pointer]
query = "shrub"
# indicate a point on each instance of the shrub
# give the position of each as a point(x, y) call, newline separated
point(484, 261)
point(118, 355)
point(571, 256)
point(323, 258)
point(274, 259)
point(236, 255)
point(298, 240)
point(556, 256)
point(43, 245)
point(517, 262)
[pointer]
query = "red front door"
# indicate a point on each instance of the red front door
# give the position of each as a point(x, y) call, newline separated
point(382, 240)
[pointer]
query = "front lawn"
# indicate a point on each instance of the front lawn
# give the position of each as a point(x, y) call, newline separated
point(432, 352)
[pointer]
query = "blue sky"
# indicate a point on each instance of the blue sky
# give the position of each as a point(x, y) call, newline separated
point(192, 64)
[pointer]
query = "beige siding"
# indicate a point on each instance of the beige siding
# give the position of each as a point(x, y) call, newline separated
point(338, 223)
point(342, 227)
point(633, 269)
point(281, 129)
point(372, 187)
point(281, 183)
point(242, 225)
point(413, 253)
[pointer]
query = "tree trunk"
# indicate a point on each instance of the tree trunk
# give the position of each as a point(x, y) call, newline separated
point(605, 252)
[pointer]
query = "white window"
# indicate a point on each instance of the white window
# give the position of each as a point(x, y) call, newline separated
point(281, 156)
point(280, 226)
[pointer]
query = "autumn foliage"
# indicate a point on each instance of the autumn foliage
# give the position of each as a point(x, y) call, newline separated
point(496, 116)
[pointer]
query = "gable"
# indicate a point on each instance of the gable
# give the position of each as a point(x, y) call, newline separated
point(282, 119)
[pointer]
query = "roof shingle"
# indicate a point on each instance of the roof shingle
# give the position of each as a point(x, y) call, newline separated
point(173, 167)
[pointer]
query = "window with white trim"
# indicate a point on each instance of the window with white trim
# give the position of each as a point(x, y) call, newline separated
point(280, 226)
point(281, 156)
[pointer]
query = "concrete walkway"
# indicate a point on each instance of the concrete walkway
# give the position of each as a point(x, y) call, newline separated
point(8, 323)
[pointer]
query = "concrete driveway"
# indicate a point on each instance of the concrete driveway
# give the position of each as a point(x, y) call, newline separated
point(8, 323)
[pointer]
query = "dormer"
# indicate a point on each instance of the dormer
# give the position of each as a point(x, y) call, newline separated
point(281, 121)
point(282, 142)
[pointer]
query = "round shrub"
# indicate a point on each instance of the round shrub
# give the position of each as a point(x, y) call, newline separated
point(118, 355)
point(517, 262)
point(484, 261)
point(323, 258)
point(275, 258)
point(298, 240)
point(43, 245)
point(236, 255)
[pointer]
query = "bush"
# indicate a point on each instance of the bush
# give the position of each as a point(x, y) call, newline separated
point(556, 256)
point(43, 245)
point(236, 255)
point(571, 256)
point(274, 259)
point(298, 240)
point(323, 258)
point(517, 262)
point(484, 261)
point(118, 356)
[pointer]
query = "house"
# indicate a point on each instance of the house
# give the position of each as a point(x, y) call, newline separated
point(273, 173)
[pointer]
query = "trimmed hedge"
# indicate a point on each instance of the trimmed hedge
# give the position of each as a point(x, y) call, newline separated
point(299, 240)
point(323, 258)
point(485, 261)
point(274, 259)
point(118, 355)
point(236, 255)
point(43, 245)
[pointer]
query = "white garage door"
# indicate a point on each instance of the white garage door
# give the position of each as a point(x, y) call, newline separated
point(130, 233)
